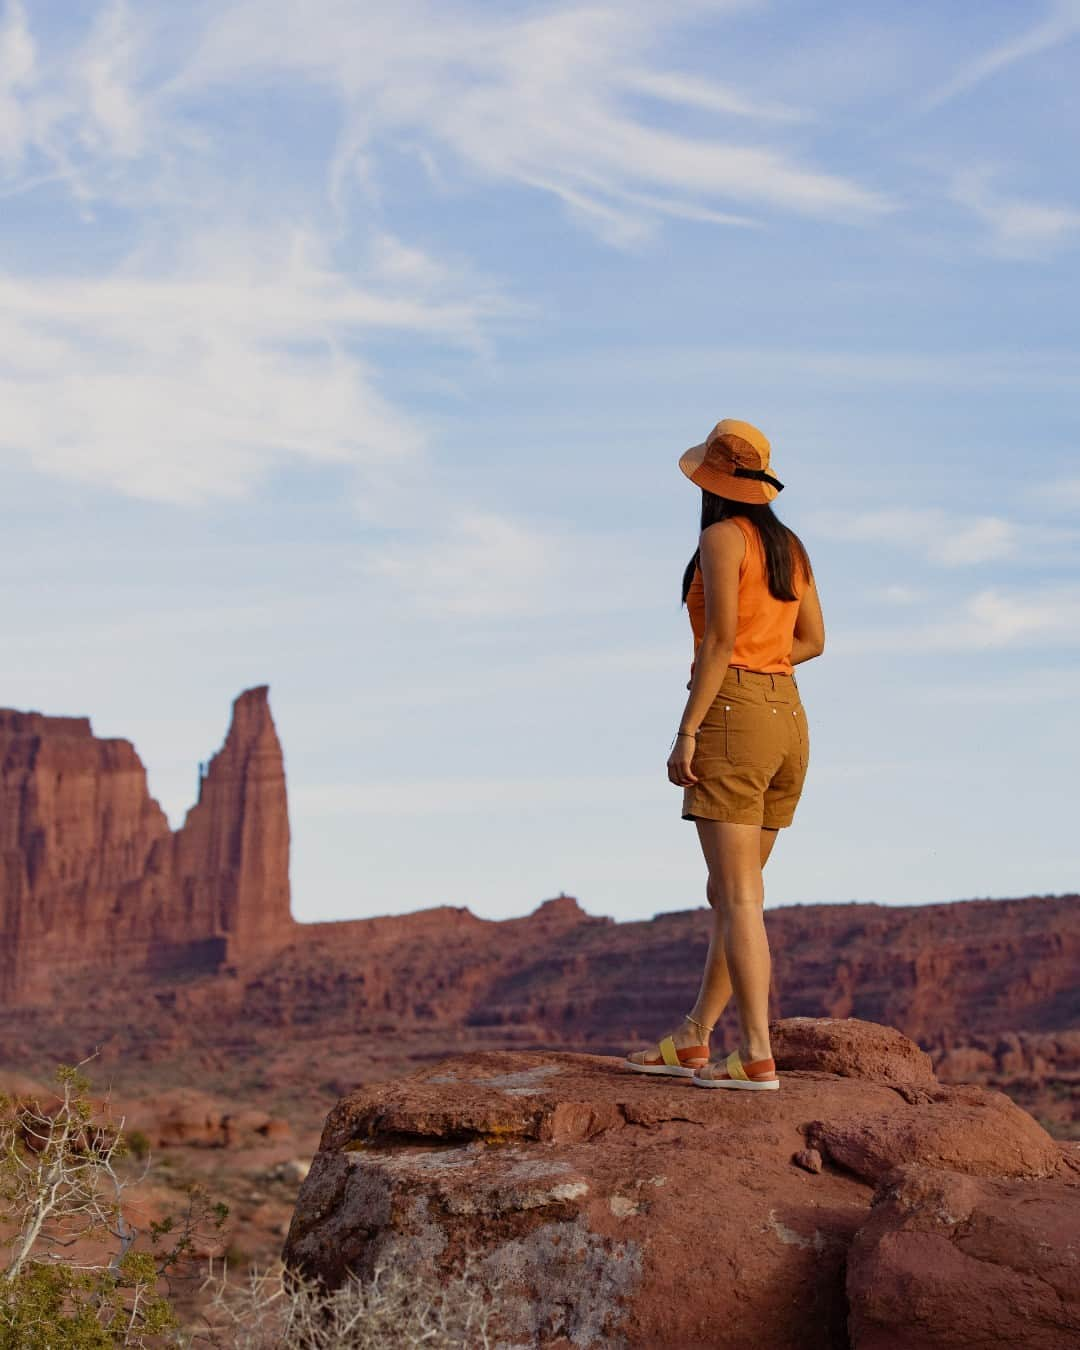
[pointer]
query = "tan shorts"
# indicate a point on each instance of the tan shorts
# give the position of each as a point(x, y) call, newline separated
point(751, 754)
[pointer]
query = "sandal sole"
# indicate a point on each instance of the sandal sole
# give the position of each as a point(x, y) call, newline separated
point(737, 1084)
point(664, 1070)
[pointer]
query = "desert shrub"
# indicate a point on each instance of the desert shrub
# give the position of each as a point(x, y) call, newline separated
point(138, 1143)
point(70, 1278)
point(59, 1307)
point(391, 1310)
point(61, 1186)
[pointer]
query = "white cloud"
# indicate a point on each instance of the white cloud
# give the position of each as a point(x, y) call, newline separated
point(110, 61)
point(188, 380)
point(536, 99)
point(478, 563)
point(482, 563)
point(1042, 620)
point(900, 595)
point(999, 619)
point(77, 113)
point(216, 348)
point(1061, 23)
point(695, 92)
point(937, 535)
point(17, 61)
point(1051, 370)
point(1016, 227)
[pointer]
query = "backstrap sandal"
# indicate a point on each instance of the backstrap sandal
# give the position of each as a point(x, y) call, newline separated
point(757, 1075)
point(675, 1061)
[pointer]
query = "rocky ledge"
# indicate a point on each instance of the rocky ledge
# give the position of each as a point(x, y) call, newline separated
point(864, 1204)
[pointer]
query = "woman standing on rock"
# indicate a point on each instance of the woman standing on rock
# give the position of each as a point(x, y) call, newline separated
point(742, 747)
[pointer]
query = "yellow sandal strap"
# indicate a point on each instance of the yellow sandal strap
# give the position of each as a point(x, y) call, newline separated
point(734, 1067)
point(668, 1053)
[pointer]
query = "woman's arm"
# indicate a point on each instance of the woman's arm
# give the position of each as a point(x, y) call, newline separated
point(722, 548)
point(809, 640)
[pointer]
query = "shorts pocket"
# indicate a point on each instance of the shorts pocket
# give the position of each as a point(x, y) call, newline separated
point(742, 731)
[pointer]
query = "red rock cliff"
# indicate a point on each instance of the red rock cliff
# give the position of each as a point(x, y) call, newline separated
point(91, 874)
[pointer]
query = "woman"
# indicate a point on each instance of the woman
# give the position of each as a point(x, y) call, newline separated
point(741, 750)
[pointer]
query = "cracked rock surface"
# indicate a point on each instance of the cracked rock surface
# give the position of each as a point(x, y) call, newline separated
point(617, 1209)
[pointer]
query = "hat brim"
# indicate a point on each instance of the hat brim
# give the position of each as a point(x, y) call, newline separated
point(749, 490)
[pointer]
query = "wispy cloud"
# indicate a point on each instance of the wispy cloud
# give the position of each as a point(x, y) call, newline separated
point(222, 338)
point(81, 113)
point(479, 563)
point(484, 563)
point(898, 594)
point(936, 535)
point(1051, 369)
point(1016, 227)
point(1060, 23)
point(695, 92)
point(1043, 620)
point(190, 379)
point(541, 100)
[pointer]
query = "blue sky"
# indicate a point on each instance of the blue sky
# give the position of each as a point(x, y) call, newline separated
point(350, 348)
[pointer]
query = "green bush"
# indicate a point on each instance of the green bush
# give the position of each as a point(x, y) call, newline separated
point(62, 1183)
point(138, 1143)
point(56, 1307)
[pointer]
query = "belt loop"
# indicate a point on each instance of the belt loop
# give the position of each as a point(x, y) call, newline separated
point(738, 675)
point(772, 679)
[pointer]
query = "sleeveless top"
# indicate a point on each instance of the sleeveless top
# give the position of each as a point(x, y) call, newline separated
point(766, 626)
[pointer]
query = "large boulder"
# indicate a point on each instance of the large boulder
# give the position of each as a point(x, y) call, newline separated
point(607, 1208)
point(949, 1262)
point(967, 1129)
point(850, 1047)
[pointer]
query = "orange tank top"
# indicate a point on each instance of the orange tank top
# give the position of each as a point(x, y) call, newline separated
point(765, 626)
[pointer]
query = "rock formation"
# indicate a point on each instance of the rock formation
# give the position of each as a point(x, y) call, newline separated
point(948, 1261)
point(607, 1209)
point(92, 877)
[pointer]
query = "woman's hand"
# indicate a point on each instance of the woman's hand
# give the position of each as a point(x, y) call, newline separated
point(678, 765)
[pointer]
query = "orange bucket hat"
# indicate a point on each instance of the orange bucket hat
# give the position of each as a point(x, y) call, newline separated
point(733, 462)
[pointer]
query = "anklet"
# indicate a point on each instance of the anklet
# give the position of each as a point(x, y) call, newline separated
point(696, 1023)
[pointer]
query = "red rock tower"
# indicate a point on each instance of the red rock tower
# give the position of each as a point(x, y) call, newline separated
point(232, 853)
point(91, 875)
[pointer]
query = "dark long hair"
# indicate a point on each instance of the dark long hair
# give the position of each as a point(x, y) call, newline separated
point(784, 550)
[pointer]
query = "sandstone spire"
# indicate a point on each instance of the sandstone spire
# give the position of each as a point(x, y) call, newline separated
point(232, 853)
point(91, 875)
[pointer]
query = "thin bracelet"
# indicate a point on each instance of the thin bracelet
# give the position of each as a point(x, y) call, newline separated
point(691, 734)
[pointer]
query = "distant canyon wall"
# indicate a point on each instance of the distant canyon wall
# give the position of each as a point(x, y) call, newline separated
point(939, 972)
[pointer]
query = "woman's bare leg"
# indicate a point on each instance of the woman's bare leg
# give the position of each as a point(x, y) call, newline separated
point(715, 988)
point(735, 856)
